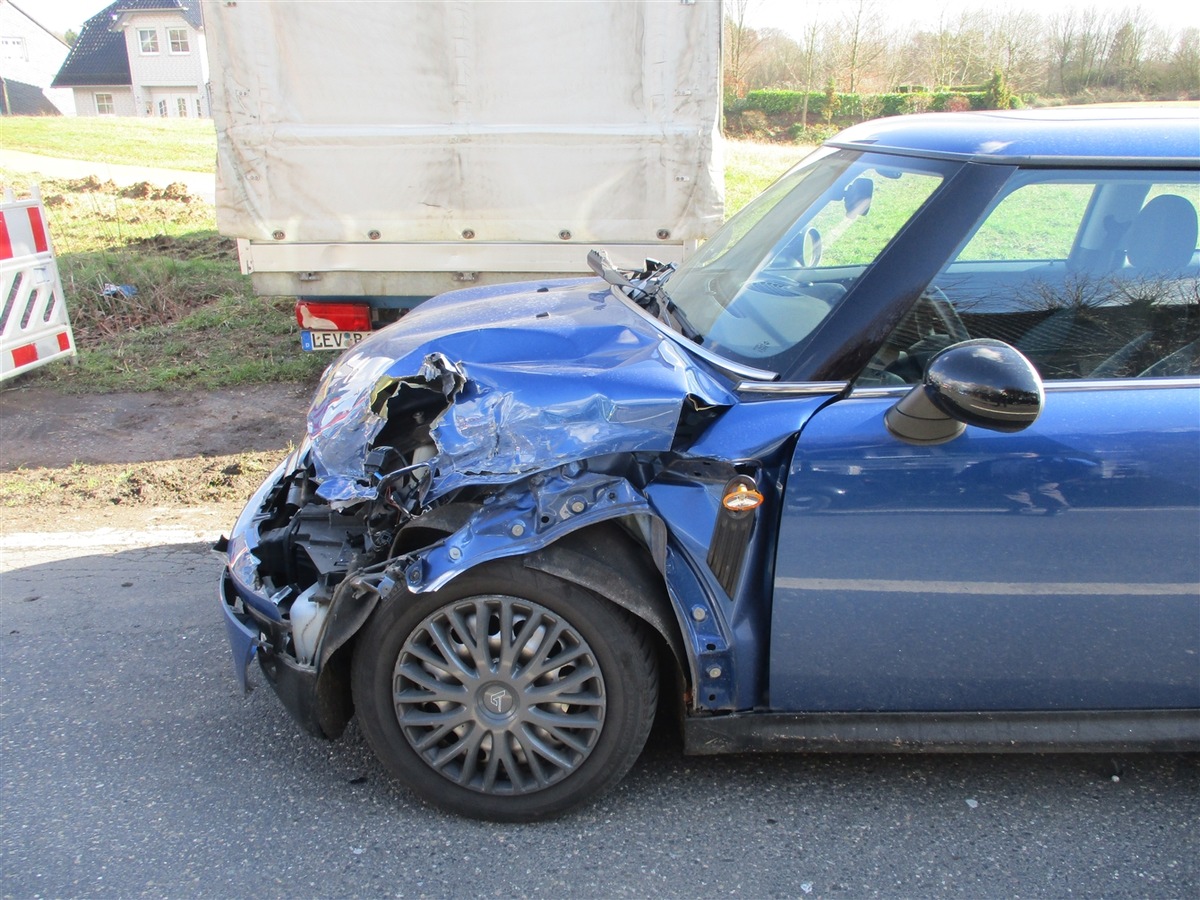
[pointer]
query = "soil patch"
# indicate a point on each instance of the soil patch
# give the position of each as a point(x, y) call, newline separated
point(143, 449)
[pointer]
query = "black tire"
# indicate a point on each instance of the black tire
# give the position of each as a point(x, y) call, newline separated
point(508, 695)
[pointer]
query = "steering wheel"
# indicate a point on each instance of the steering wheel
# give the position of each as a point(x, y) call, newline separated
point(934, 324)
point(941, 307)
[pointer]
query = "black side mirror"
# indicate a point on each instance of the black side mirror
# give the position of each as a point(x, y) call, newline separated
point(982, 382)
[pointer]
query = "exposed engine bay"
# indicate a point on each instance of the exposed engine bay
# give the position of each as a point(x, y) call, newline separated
point(407, 480)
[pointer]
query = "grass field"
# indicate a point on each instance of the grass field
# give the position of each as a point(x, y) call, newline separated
point(187, 144)
point(194, 321)
point(750, 167)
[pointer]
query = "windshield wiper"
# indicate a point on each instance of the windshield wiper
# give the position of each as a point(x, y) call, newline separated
point(648, 290)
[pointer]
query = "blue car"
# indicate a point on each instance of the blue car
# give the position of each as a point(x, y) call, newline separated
point(905, 458)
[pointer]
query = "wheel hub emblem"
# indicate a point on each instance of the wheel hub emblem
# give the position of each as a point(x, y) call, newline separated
point(498, 700)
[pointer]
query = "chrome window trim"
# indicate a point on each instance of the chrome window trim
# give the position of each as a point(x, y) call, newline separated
point(1181, 381)
point(1056, 387)
point(792, 388)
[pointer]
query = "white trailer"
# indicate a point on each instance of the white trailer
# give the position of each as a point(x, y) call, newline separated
point(384, 152)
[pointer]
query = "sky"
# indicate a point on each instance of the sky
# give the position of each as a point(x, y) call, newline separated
point(791, 16)
point(787, 15)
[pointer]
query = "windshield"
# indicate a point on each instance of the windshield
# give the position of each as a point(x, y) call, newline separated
point(764, 283)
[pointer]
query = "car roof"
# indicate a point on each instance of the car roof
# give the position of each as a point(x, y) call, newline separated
point(1144, 136)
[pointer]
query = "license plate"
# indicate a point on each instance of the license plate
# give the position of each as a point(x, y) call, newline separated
point(330, 340)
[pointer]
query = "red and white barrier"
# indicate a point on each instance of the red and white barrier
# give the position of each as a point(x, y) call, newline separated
point(34, 328)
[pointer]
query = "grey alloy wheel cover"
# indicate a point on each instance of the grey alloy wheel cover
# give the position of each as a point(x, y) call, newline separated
point(499, 695)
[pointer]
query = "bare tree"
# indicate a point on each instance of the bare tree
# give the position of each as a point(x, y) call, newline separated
point(1063, 30)
point(1094, 39)
point(812, 34)
point(1066, 50)
point(1127, 50)
point(861, 36)
point(1182, 71)
point(779, 61)
point(741, 41)
point(1016, 38)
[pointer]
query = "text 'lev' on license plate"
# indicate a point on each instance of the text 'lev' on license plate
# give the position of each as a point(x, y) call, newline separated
point(330, 340)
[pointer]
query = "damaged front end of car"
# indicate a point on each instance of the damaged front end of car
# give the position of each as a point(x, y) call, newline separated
point(488, 424)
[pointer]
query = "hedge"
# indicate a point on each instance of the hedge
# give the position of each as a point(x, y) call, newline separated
point(857, 106)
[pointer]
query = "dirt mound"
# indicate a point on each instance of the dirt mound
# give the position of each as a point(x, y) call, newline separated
point(144, 190)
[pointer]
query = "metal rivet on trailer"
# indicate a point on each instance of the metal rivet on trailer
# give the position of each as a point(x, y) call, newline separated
point(373, 234)
point(663, 234)
point(278, 235)
point(564, 235)
point(468, 233)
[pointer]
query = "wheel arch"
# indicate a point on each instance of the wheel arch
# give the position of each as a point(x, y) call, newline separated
point(605, 559)
point(608, 561)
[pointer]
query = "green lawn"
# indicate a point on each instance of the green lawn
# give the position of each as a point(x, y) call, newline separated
point(187, 144)
point(750, 167)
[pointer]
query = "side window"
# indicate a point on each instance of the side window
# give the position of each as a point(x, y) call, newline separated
point(1038, 221)
point(1090, 275)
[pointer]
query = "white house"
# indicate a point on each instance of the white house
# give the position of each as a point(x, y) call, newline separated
point(30, 55)
point(140, 58)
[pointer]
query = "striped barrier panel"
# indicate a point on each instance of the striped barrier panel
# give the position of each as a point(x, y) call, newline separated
point(34, 328)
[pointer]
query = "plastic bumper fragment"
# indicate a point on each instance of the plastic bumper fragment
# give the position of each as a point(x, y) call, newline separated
point(243, 634)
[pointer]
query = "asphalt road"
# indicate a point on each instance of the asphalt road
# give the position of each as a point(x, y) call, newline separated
point(131, 766)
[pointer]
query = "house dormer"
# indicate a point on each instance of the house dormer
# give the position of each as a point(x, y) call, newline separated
point(140, 58)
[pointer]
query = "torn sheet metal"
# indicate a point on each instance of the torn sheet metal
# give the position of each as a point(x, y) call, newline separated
point(526, 516)
point(543, 377)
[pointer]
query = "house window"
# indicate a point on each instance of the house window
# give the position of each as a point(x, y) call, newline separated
point(104, 105)
point(199, 109)
point(181, 105)
point(148, 40)
point(179, 40)
point(13, 47)
point(162, 108)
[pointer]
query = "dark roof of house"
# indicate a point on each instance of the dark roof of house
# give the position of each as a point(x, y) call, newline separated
point(189, 8)
point(99, 57)
point(20, 99)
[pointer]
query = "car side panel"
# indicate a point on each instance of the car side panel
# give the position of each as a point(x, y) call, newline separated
point(1057, 568)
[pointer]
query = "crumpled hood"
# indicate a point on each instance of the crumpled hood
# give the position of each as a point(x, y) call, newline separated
point(534, 376)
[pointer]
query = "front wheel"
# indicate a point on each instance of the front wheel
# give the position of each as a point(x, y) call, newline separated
point(508, 695)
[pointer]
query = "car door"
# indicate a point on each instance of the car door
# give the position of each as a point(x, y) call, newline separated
point(1052, 569)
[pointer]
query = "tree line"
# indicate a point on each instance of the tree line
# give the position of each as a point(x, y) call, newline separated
point(1074, 54)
